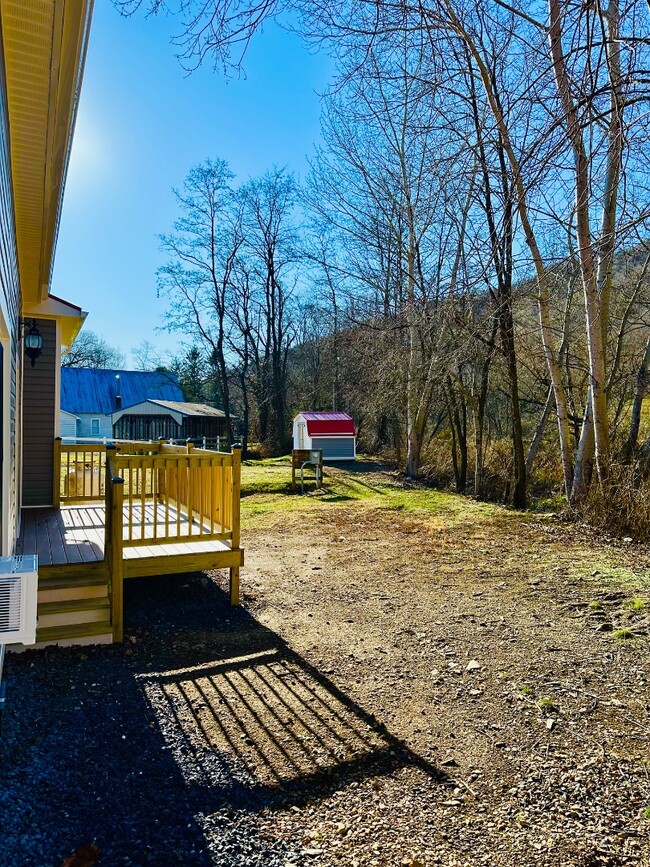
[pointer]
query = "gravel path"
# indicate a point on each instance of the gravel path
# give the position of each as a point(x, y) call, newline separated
point(87, 757)
point(393, 692)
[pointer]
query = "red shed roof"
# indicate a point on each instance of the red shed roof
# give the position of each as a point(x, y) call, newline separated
point(333, 424)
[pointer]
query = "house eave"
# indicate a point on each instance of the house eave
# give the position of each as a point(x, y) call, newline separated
point(69, 316)
point(44, 52)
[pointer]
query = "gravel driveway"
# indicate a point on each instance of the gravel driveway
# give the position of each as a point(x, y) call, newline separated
point(120, 746)
point(398, 688)
point(85, 758)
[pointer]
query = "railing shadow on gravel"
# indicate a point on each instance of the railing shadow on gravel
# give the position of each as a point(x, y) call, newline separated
point(284, 733)
point(238, 703)
point(151, 747)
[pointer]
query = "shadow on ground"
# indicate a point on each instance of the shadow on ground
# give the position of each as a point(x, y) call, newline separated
point(163, 750)
point(362, 465)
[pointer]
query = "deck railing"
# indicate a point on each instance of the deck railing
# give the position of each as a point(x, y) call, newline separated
point(80, 469)
point(176, 496)
point(170, 493)
point(154, 494)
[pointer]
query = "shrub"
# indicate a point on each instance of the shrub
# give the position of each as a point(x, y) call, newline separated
point(620, 506)
point(436, 460)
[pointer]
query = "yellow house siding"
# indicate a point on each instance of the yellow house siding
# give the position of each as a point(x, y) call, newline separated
point(10, 303)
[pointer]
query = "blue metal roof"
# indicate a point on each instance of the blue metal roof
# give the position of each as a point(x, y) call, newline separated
point(90, 390)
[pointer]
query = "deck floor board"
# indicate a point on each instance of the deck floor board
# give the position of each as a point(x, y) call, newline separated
point(74, 534)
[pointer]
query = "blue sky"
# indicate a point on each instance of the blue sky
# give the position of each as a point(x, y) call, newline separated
point(142, 124)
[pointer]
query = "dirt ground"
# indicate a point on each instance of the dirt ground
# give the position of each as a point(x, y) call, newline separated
point(413, 679)
point(489, 656)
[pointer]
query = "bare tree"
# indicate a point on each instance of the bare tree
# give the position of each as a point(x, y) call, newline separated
point(202, 251)
point(269, 253)
point(387, 193)
point(90, 350)
point(549, 106)
point(147, 356)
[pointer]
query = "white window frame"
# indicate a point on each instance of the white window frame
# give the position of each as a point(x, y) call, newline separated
point(94, 433)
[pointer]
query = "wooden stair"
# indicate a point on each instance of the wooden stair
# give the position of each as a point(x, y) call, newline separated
point(73, 609)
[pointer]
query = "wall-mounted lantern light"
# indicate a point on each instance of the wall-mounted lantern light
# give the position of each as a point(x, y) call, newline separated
point(33, 339)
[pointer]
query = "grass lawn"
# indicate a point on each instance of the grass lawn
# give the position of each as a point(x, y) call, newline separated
point(267, 497)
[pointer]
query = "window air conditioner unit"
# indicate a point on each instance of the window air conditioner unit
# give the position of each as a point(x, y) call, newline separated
point(18, 599)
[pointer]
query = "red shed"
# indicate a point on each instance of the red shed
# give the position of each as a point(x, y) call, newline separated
point(333, 432)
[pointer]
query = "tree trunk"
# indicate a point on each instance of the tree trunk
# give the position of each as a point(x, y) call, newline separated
point(462, 443)
point(641, 387)
point(562, 354)
point(593, 312)
point(538, 436)
point(584, 465)
point(245, 403)
point(415, 439)
point(506, 324)
point(414, 430)
point(458, 426)
point(480, 399)
point(479, 421)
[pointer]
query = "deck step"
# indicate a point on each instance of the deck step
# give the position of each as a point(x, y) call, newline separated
point(68, 587)
point(67, 592)
point(73, 611)
point(84, 572)
point(81, 633)
point(46, 583)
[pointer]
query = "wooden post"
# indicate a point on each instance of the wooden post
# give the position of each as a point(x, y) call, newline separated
point(160, 484)
point(116, 561)
point(56, 481)
point(108, 514)
point(190, 489)
point(108, 524)
point(111, 452)
point(235, 538)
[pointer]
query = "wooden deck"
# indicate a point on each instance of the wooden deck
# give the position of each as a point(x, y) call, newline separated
point(75, 534)
point(157, 509)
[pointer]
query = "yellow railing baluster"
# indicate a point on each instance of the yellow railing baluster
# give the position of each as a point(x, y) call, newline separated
point(116, 561)
point(234, 498)
point(167, 486)
point(211, 496)
point(178, 498)
point(143, 495)
point(199, 478)
point(187, 496)
point(154, 494)
point(130, 527)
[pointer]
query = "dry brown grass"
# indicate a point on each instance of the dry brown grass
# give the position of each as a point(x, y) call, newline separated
point(621, 506)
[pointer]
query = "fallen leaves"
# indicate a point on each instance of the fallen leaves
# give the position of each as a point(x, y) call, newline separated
point(84, 856)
